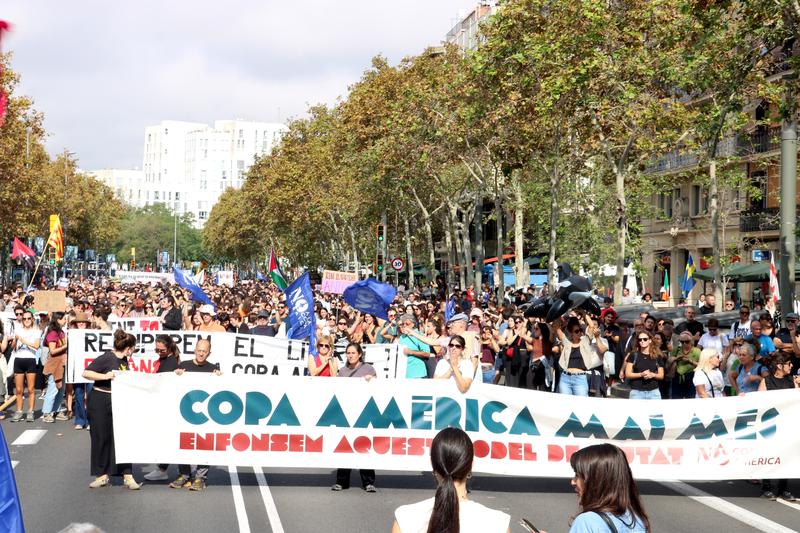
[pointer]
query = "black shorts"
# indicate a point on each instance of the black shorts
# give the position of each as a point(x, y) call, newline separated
point(25, 365)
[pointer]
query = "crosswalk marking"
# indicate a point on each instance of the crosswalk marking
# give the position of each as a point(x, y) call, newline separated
point(29, 437)
point(14, 464)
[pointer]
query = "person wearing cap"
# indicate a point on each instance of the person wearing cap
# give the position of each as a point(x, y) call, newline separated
point(209, 316)
point(682, 363)
point(80, 390)
point(262, 326)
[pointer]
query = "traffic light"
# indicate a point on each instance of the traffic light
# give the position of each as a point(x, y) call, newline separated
point(379, 263)
point(379, 232)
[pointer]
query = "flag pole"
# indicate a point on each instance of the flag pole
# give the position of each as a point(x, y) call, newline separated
point(33, 276)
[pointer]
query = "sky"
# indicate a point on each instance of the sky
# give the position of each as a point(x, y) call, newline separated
point(101, 70)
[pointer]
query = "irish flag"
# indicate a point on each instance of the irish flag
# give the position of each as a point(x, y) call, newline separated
point(275, 271)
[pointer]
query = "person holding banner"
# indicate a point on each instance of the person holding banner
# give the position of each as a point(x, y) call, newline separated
point(355, 368)
point(102, 371)
point(56, 341)
point(779, 378)
point(450, 510)
point(80, 390)
point(323, 364)
point(607, 493)
point(199, 364)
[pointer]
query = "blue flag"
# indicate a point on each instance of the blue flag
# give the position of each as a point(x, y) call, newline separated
point(302, 323)
point(10, 509)
point(188, 283)
point(688, 277)
point(370, 296)
point(450, 308)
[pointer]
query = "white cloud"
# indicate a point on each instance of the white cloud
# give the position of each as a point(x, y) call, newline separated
point(101, 71)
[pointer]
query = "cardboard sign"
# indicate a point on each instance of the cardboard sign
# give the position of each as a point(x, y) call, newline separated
point(335, 282)
point(49, 301)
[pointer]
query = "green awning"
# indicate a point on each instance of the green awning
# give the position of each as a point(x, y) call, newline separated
point(744, 273)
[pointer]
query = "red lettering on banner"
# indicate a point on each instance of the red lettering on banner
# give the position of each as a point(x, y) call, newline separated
point(481, 448)
point(656, 456)
point(498, 450)
point(398, 446)
point(242, 442)
point(418, 446)
point(556, 453)
point(362, 444)
point(343, 446)
point(381, 445)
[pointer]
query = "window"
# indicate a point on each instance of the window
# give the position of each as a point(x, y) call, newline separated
point(202, 215)
point(166, 131)
point(170, 196)
point(699, 201)
point(240, 164)
point(224, 175)
point(241, 134)
point(156, 196)
point(177, 198)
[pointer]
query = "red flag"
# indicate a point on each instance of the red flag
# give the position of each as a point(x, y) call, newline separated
point(774, 291)
point(20, 251)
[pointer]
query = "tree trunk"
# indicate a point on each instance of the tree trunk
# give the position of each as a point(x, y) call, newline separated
point(520, 267)
point(426, 220)
point(467, 217)
point(409, 257)
point(552, 265)
point(355, 252)
point(622, 230)
point(713, 207)
point(499, 282)
point(458, 249)
point(480, 253)
point(449, 236)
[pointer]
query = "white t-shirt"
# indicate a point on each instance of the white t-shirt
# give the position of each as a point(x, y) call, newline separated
point(718, 342)
point(464, 365)
point(714, 378)
point(472, 516)
point(30, 335)
point(740, 330)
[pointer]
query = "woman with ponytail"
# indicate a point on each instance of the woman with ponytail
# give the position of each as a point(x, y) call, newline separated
point(450, 511)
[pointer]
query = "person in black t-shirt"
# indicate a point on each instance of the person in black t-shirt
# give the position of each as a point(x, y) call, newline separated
point(102, 371)
point(168, 359)
point(691, 325)
point(262, 326)
point(198, 364)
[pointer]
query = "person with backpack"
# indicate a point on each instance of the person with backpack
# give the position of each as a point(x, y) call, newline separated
point(747, 376)
point(607, 492)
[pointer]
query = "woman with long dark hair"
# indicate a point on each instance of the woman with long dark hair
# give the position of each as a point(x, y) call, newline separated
point(169, 357)
point(56, 341)
point(102, 371)
point(645, 369)
point(780, 377)
point(607, 493)
point(450, 511)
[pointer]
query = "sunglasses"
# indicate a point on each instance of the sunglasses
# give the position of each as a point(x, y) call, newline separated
point(576, 332)
point(162, 350)
point(455, 345)
point(27, 318)
point(18, 314)
point(342, 323)
point(644, 339)
point(324, 345)
point(686, 342)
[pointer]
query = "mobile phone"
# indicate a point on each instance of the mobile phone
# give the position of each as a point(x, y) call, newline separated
point(528, 526)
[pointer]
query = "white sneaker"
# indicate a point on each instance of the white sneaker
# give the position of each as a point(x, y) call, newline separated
point(156, 475)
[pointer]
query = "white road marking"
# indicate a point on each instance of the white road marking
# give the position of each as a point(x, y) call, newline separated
point(29, 437)
point(238, 501)
point(269, 503)
point(14, 464)
point(793, 505)
point(741, 514)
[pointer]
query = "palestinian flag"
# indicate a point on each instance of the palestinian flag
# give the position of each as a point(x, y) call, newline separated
point(275, 271)
point(20, 251)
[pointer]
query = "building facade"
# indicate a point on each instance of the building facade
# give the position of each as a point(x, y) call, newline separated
point(464, 33)
point(187, 165)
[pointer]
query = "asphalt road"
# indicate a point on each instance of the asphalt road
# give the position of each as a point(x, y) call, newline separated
point(53, 475)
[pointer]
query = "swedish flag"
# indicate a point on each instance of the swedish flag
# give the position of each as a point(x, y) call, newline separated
point(688, 277)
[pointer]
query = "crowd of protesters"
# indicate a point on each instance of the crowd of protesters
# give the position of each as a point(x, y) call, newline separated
point(466, 336)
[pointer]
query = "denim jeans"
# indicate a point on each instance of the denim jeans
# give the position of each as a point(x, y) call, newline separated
point(53, 396)
point(79, 403)
point(488, 375)
point(575, 385)
point(654, 394)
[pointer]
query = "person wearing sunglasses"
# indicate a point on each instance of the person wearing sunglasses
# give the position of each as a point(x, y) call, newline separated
point(644, 369)
point(741, 328)
point(169, 357)
point(26, 342)
point(323, 364)
point(580, 353)
point(458, 366)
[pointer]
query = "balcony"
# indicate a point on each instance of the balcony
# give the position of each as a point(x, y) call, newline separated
point(760, 219)
point(761, 141)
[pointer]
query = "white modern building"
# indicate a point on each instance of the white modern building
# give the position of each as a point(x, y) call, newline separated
point(464, 32)
point(187, 165)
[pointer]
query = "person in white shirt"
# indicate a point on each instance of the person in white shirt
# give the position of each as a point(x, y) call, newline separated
point(741, 328)
point(450, 511)
point(25, 344)
point(708, 380)
point(458, 365)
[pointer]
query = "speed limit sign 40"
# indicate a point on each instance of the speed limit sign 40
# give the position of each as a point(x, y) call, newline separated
point(398, 264)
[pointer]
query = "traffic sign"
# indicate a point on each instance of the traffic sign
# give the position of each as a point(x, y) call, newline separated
point(398, 264)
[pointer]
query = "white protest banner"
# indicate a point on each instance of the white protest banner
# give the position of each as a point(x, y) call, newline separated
point(131, 276)
point(335, 282)
point(235, 353)
point(132, 324)
point(8, 319)
point(389, 424)
point(225, 277)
